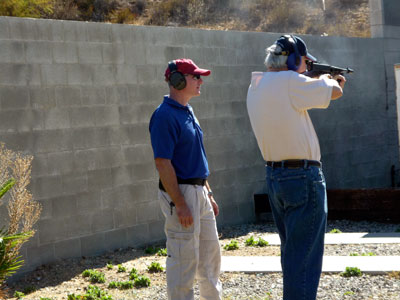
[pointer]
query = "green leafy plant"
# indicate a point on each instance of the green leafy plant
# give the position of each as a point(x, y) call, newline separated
point(92, 293)
point(253, 243)
point(155, 267)
point(351, 272)
point(121, 269)
point(233, 245)
point(250, 241)
point(94, 276)
point(335, 230)
point(19, 295)
point(45, 298)
point(262, 243)
point(125, 285)
point(162, 252)
point(348, 293)
point(151, 250)
point(133, 274)
point(363, 254)
point(29, 289)
point(113, 285)
point(141, 281)
point(110, 266)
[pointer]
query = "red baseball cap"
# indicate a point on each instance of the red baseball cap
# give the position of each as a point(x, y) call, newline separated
point(187, 66)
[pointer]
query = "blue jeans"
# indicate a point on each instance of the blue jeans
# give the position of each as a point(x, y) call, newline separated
point(299, 207)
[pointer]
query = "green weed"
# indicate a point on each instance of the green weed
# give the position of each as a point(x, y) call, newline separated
point(233, 245)
point(351, 272)
point(155, 267)
point(110, 266)
point(121, 269)
point(19, 295)
point(133, 274)
point(94, 276)
point(151, 250)
point(334, 230)
point(348, 293)
point(141, 281)
point(29, 289)
point(162, 252)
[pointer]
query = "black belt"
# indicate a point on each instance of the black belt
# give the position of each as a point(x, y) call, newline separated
point(293, 163)
point(192, 181)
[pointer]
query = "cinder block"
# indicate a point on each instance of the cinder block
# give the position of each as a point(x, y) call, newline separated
point(4, 31)
point(39, 52)
point(82, 117)
point(121, 176)
point(40, 255)
point(148, 211)
point(125, 74)
point(134, 134)
point(74, 31)
point(80, 74)
point(156, 231)
point(56, 118)
point(57, 30)
point(67, 96)
point(52, 141)
point(104, 75)
point(11, 51)
point(90, 53)
point(93, 95)
point(121, 33)
point(113, 53)
point(74, 183)
point(147, 74)
point(33, 75)
point(87, 202)
point(92, 137)
point(93, 244)
point(47, 209)
point(134, 53)
point(64, 206)
point(116, 239)
point(67, 249)
point(51, 230)
point(42, 98)
point(18, 141)
point(39, 165)
point(141, 153)
point(117, 95)
point(103, 221)
point(143, 172)
point(136, 113)
point(14, 74)
point(20, 120)
point(65, 53)
point(14, 98)
point(99, 180)
point(46, 187)
point(138, 235)
point(23, 29)
point(171, 53)
point(125, 217)
point(106, 116)
point(98, 32)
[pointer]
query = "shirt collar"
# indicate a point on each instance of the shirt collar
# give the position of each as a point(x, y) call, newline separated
point(172, 102)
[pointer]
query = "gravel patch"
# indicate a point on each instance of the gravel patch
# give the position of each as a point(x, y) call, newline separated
point(57, 280)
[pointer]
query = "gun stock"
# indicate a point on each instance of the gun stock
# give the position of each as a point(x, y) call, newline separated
point(317, 69)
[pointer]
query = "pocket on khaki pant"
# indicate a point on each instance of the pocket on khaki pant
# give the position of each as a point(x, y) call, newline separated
point(181, 245)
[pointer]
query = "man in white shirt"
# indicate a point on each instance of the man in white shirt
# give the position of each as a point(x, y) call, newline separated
point(278, 102)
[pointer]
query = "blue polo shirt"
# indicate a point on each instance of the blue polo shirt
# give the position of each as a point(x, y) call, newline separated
point(176, 135)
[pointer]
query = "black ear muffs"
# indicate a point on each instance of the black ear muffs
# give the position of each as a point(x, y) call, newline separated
point(294, 58)
point(176, 78)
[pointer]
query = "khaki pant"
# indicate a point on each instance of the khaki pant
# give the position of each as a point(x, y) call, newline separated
point(193, 252)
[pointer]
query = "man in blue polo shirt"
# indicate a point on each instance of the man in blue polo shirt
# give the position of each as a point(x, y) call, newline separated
point(185, 197)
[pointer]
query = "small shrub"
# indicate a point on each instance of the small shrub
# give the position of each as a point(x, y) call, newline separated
point(363, 254)
point(335, 230)
point(155, 267)
point(233, 245)
point(19, 295)
point(151, 250)
point(250, 241)
point(121, 269)
point(142, 281)
point(125, 285)
point(110, 266)
point(348, 293)
point(133, 274)
point(113, 285)
point(162, 252)
point(94, 276)
point(95, 293)
point(351, 272)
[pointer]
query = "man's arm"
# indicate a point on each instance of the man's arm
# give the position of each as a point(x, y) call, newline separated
point(170, 183)
point(213, 203)
point(337, 89)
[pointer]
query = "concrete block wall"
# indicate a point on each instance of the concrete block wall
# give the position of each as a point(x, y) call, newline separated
point(78, 96)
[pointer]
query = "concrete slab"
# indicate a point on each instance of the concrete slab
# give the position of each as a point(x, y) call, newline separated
point(349, 238)
point(331, 264)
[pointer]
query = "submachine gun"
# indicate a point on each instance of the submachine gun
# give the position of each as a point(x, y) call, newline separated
point(316, 69)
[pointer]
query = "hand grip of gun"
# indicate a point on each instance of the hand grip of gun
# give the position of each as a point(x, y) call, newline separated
point(317, 69)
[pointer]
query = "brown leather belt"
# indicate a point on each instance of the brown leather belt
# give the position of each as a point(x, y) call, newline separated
point(192, 181)
point(293, 163)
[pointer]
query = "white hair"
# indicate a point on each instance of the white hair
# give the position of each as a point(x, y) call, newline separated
point(274, 60)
